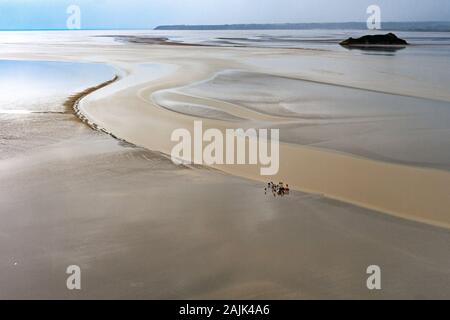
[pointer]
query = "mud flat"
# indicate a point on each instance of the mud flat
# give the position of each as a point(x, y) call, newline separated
point(141, 227)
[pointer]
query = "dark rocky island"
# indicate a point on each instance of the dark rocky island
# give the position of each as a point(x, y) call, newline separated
point(384, 40)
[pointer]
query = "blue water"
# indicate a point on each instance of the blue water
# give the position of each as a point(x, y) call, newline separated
point(312, 39)
point(29, 86)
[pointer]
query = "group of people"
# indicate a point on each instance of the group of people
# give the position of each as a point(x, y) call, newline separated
point(277, 189)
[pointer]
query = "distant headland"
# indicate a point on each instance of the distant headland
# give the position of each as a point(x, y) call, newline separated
point(437, 26)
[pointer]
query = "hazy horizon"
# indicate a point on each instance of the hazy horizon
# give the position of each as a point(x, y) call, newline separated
point(227, 24)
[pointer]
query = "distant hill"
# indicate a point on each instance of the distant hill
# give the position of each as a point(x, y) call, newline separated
point(442, 26)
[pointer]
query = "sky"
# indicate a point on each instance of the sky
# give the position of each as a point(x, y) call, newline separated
point(142, 14)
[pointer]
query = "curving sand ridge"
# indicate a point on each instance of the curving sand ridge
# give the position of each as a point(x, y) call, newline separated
point(127, 110)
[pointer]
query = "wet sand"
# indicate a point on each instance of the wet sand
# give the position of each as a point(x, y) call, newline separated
point(370, 124)
point(141, 227)
point(129, 111)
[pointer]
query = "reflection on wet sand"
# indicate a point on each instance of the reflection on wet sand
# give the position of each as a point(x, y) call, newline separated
point(366, 123)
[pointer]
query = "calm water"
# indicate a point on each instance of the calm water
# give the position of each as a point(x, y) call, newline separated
point(32, 94)
point(31, 86)
point(318, 39)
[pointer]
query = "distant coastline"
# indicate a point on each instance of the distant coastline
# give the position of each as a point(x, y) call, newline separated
point(436, 26)
point(424, 26)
